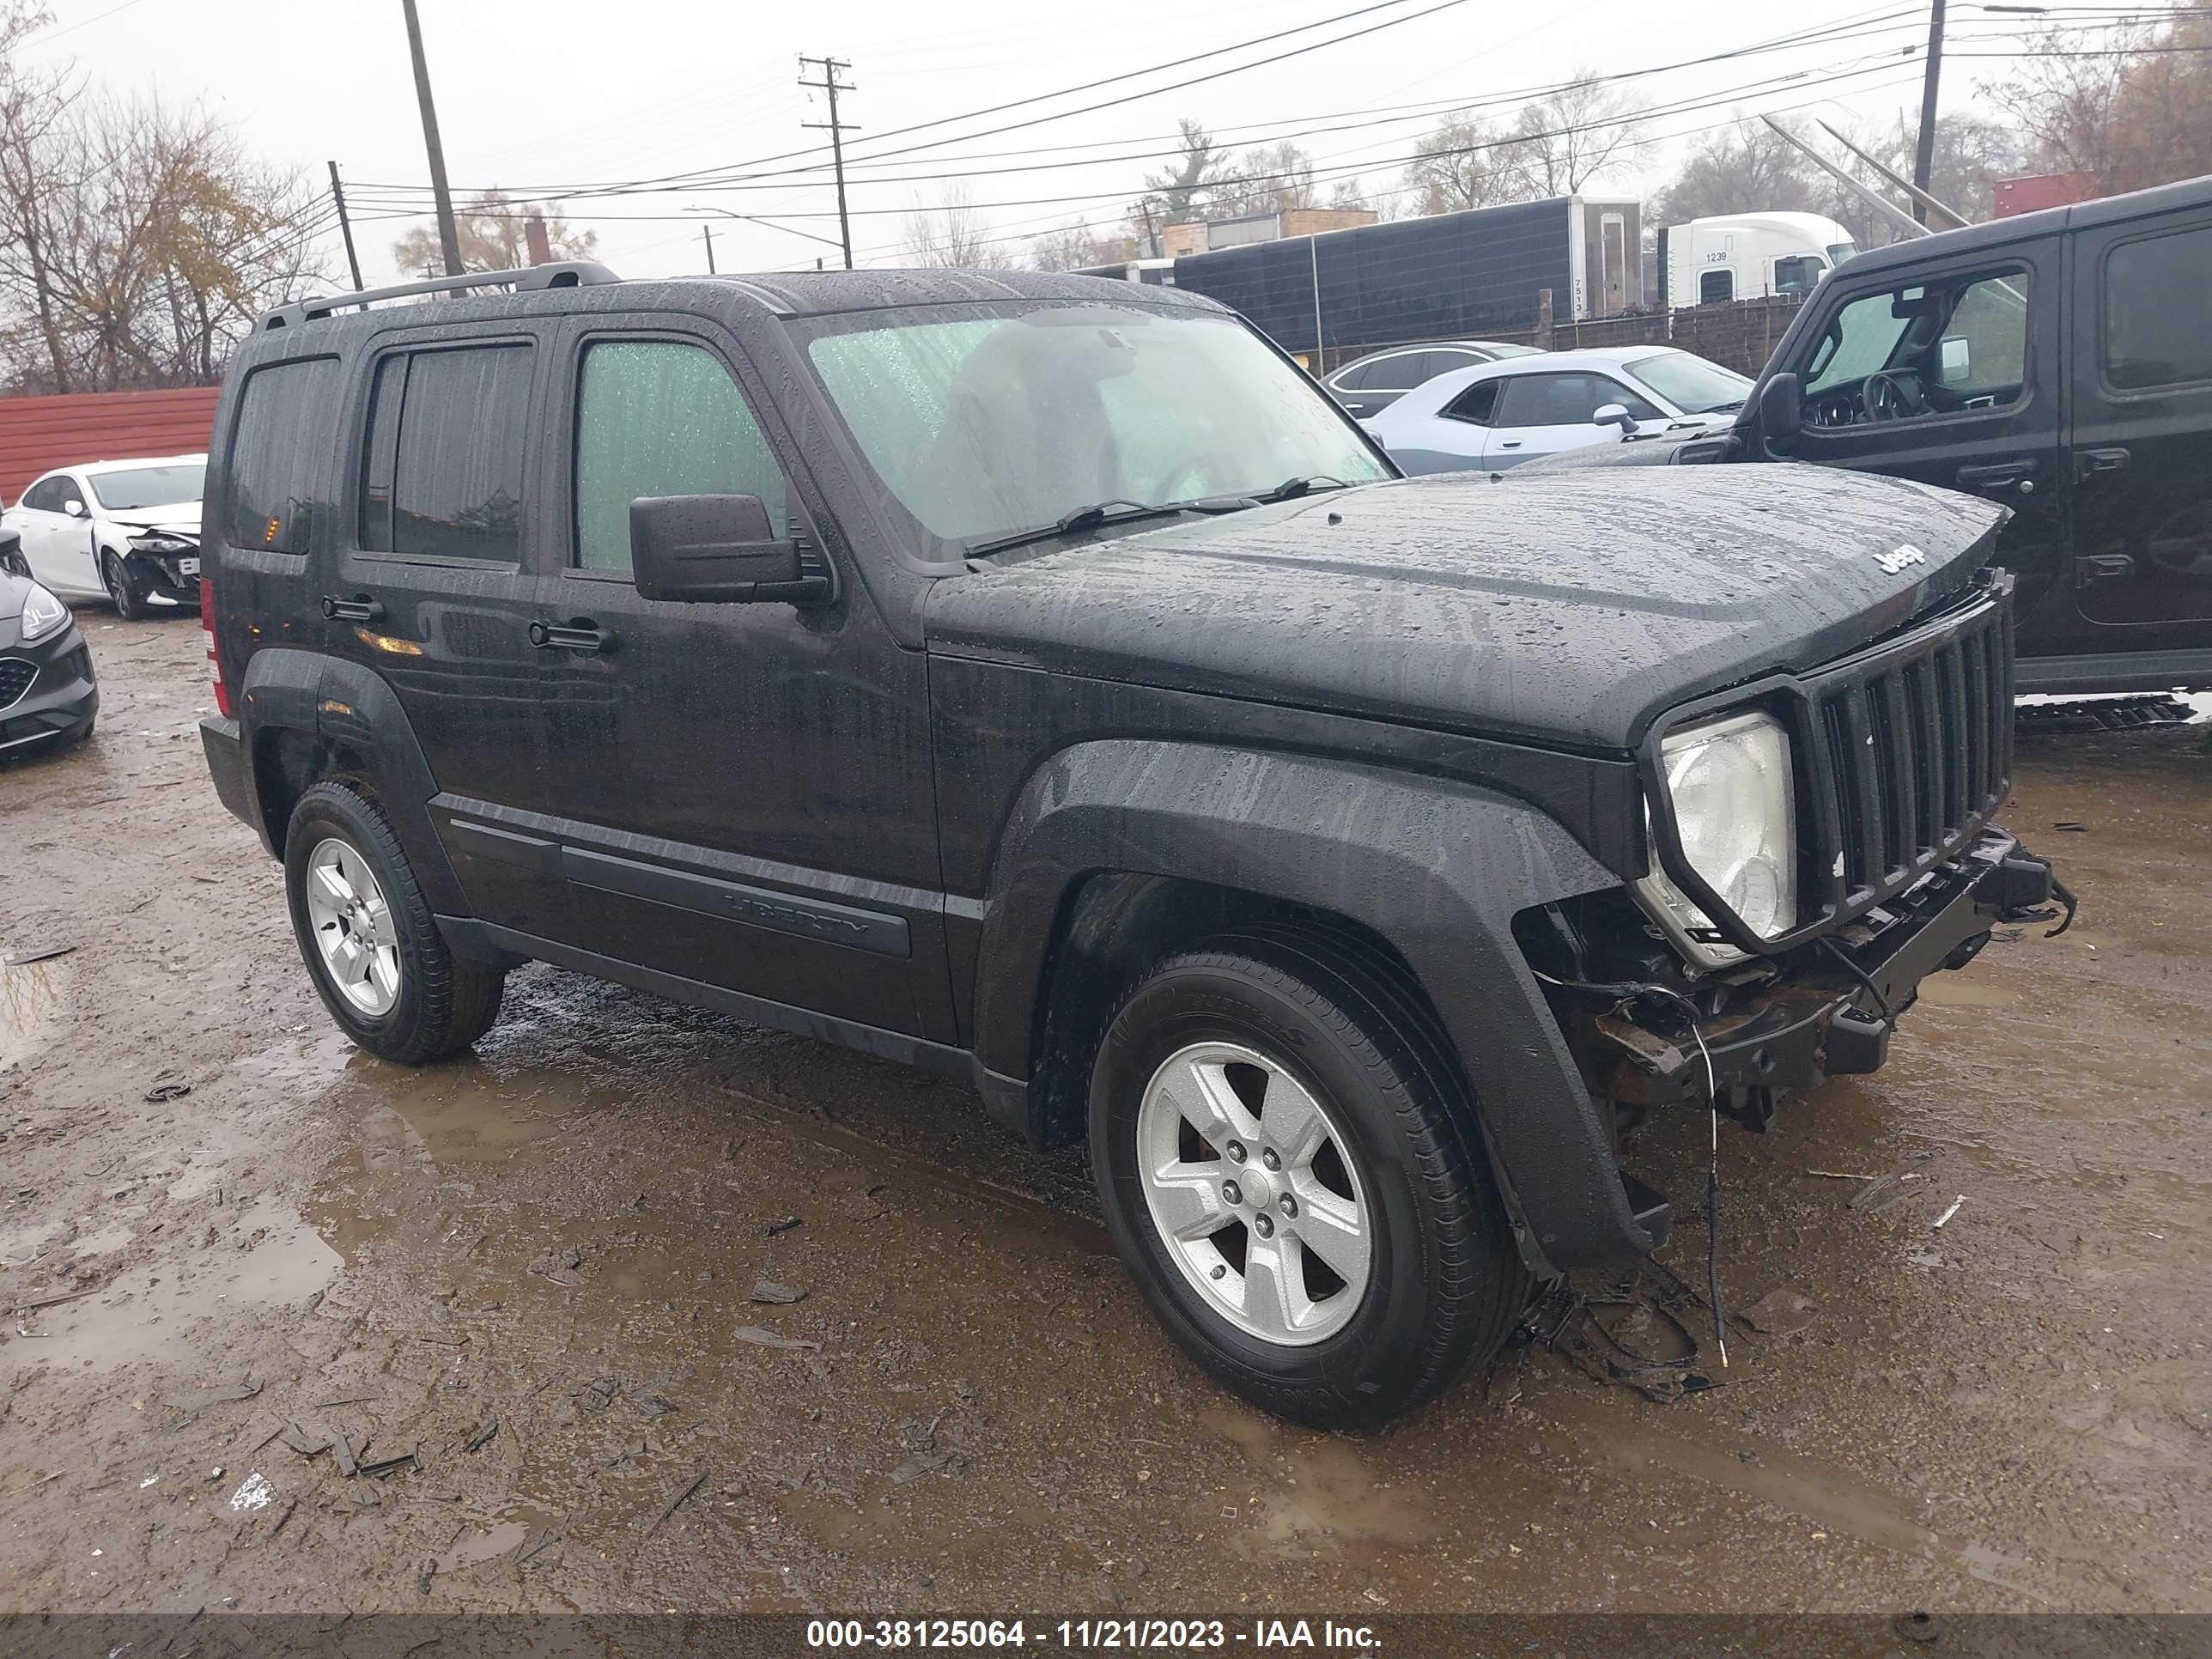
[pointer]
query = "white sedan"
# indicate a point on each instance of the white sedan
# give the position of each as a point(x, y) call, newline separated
point(1499, 414)
point(129, 530)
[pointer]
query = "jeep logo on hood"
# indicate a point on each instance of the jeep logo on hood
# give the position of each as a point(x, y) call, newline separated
point(1894, 561)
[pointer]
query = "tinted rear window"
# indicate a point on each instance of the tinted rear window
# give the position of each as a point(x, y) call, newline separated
point(287, 423)
point(445, 442)
point(2158, 311)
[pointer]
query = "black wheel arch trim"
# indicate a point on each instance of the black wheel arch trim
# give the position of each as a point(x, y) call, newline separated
point(348, 706)
point(1437, 869)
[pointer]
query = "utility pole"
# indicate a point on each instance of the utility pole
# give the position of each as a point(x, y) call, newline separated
point(829, 83)
point(1152, 236)
point(1923, 154)
point(708, 231)
point(449, 235)
point(337, 195)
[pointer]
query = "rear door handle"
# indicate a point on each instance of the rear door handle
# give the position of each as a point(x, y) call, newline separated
point(2100, 463)
point(1510, 443)
point(1997, 475)
point(359, 608)
point(577, 633)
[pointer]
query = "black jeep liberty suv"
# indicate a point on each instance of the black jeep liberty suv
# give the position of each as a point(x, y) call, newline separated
point(1039, 680)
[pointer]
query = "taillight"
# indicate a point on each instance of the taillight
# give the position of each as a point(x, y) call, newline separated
point(214, 664)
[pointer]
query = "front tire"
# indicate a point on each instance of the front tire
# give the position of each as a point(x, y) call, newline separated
point(1290, 1170)
point(123, 589)
point(367, 936)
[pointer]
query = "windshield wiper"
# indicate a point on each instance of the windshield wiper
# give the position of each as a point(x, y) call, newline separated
point(1100, 514)
point(1722, 409)
point(1291, 489)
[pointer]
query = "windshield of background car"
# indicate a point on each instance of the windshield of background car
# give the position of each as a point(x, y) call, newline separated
point(987, 422)
point(136, 489)
point(1691, 384)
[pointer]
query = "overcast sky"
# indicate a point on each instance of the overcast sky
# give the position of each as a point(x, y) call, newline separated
point(539, 93)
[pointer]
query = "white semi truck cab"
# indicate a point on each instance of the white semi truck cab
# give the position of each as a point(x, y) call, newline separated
point(1744, 256)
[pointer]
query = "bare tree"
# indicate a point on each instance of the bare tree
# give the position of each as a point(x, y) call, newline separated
point(2135, 113)
point(1746, 168)
point(1184, 189)
point(1460, 165)
point(953, 235)
point(1272, 178)
point(138, 241)
point(493, 237)
point(1559, 142)
point(1078, 247)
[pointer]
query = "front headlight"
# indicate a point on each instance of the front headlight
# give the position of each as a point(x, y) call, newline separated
point(159, 543)
point(44, 615)
point(1735, 816)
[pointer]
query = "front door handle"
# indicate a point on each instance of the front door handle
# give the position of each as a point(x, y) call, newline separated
point(2100, 463)
point(359, 608)
point(1508, 443)
point(2103, 568)
point(577, 633)
point(1997, 476)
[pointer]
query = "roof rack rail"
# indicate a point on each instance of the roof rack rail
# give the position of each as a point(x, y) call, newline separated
point(568, 273)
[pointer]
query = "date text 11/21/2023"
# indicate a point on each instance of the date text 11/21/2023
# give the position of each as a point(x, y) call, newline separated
point(1167, 1635)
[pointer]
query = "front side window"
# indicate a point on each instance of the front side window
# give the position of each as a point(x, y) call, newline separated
point(656, 418)
point(1929, 349)
point(1566, 400)
point(984, 421)
point(2158, 311)
point(445, 468)
point(139, 489)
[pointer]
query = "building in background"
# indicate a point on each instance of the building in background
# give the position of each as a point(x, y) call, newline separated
point(38, 434)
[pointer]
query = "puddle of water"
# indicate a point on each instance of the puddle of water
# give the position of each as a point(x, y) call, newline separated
point(1320, 1495)
point(28, 996)
point(147, 1314)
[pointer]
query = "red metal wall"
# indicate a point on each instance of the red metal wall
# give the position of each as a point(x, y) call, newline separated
point(2038, 191)
point(40, 434)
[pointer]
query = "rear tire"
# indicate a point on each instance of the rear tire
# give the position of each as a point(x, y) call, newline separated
point(1271, 1102)
point(367, 936)
point(122, 589)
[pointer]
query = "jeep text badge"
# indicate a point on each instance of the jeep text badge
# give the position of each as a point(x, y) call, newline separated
point(1894, 561)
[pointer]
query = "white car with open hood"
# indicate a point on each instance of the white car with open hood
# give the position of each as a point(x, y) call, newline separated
point(126, 530)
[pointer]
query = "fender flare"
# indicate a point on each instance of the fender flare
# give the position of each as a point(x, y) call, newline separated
point(1438, 868)
point(347, 706)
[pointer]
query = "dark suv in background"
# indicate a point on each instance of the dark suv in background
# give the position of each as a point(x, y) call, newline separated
point(2059, 362)
point(1038, 679)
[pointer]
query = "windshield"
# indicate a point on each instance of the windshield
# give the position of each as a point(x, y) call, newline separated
point(138, 488)
point(983, 424)
point(1691, 384)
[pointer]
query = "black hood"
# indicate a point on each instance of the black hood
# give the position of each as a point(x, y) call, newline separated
point(1569, 609)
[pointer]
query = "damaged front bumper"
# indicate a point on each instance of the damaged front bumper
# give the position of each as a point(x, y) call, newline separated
point(1827, 1009)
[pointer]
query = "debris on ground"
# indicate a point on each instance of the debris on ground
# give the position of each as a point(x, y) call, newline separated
point(409, 1459)
point(599, 1394)
point(760, 1339)
point(766, 1289)
point(1950, 1210)
point(483, 1436)
point(1880, 1195)
point(206, 1397)
point(675, 1503)
point(162, 1092)
point(1779, 1313)
point(45, 953)
point(777, 1229)
point(1613, 1336)
point(560, 1266)
point(253, 1493)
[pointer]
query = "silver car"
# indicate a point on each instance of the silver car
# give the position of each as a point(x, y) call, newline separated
point(1376, 381)
point(1496, 415)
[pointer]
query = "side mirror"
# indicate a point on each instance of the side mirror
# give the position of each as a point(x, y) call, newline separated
point(1614, 415)
point(74, 507)
point(11, 553)
point(715, 548)
point(1781, 407)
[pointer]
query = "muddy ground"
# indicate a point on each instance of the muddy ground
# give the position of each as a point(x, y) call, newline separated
point(530, 1269)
